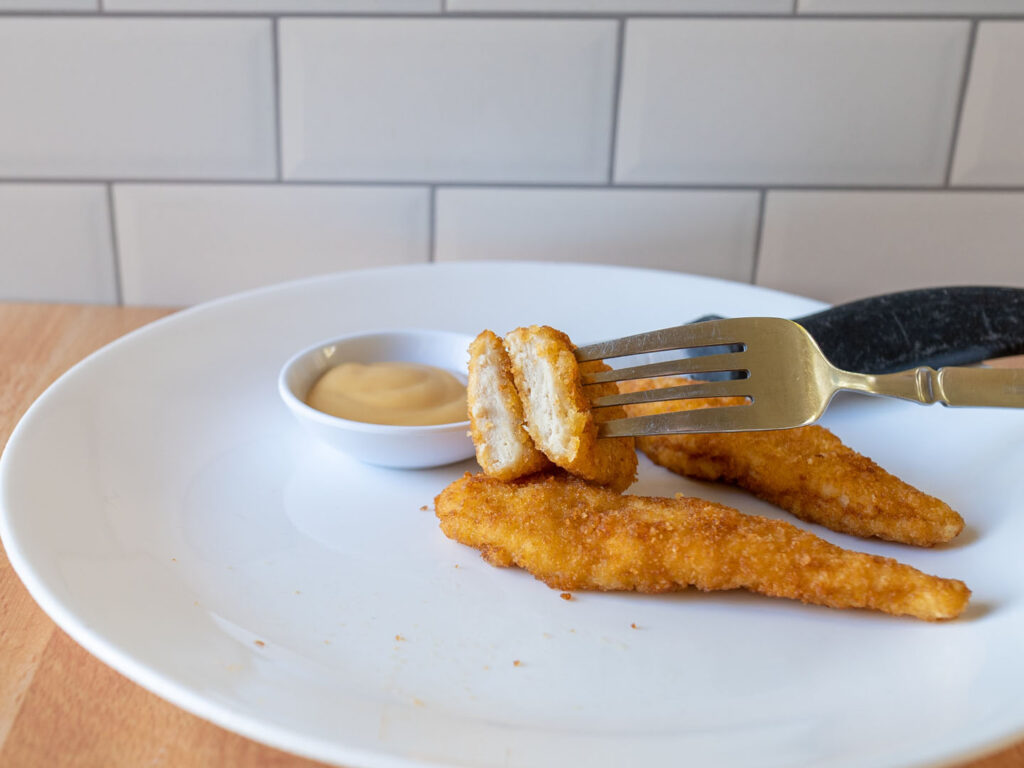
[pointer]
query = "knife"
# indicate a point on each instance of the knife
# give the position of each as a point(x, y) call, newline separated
point(956, 325)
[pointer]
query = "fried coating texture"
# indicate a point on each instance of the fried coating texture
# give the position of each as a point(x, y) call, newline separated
point(504, 449)
point(806, 471)
point(557, 408)
point(573, 536)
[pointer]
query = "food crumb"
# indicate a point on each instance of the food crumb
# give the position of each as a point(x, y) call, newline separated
point(634, 626)
point(260, 643)
point(424, 508)
point(399, 638)
point(174, 559)
point(546, 635)
point(418, 702)
point(566, 596)
point(516, 663)
point(298, 591)
point(456, 565)
point(327, 642)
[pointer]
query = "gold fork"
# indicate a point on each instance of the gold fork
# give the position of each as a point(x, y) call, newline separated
point(785, 378)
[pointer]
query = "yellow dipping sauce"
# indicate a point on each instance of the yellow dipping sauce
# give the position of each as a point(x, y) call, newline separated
point(405, 394)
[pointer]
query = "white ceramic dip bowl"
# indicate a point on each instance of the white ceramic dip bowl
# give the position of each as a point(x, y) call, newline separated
point(382, 444)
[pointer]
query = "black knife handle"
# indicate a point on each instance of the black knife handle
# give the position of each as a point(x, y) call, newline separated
point(930, 326)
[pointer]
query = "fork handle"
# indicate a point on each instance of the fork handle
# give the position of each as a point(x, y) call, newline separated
point(990, 387)
point(938, 327)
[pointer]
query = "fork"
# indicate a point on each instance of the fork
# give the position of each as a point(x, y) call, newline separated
point(786, 380)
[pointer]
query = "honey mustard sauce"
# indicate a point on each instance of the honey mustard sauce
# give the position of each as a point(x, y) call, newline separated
point(405, 394)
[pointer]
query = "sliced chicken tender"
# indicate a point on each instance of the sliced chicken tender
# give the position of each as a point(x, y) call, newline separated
point(574, 536)
point(806, 471)
point(557, 408)
point(504, 449)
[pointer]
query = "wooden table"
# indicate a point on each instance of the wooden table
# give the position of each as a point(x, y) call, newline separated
point(59, 706)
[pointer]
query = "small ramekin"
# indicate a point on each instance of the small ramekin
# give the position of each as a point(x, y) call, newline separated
point(381, 444)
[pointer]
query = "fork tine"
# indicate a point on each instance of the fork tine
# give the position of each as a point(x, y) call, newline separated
point(730, 388)
point(729, 361)
point(707, 334)
point(727, 418)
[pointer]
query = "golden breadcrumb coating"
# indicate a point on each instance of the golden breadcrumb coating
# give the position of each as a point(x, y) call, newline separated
point(806, 471)
point(557, 408)
point(573, 535)
point(504, 449)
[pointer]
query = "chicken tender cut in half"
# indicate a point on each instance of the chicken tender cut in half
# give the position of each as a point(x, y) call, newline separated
point(557, 408)
point(574, 536)
point(504, 449)
point(806, 471)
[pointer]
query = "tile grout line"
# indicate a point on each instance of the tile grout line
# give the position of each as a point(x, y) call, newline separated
point(278, 135)
point(758, 236)
point(1009, 189)
point(432, 225)
point(528, 15)
point(613, 139)
point(958, 116)
point(115, 245)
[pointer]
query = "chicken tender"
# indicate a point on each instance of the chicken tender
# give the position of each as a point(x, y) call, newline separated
point(557, 408)
point(574, 536)
point(504, 449)
point(806, 471)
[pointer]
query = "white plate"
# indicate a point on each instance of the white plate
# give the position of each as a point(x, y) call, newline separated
point(164, 508)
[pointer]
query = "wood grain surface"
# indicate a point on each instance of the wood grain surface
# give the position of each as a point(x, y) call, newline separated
point(59, 706)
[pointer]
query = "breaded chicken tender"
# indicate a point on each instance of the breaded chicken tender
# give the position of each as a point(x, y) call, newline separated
point(504, 449)
point(574, 536)
point(557, 408)
point(806, 471)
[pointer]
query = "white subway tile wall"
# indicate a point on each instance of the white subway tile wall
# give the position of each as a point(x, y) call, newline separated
point(713, 233)
point(991, 143)
point(48, 6)
point(181, 243)
point(449, 100)
point(922, 7)
point(132, 98)
point(835, 245)
point(55, 243)
point(624, 6)
point(172, 151)
point(778, 102)
point(274, 6)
